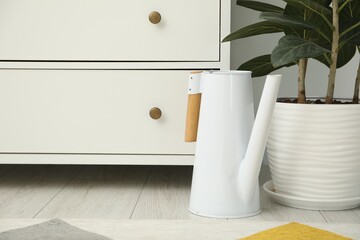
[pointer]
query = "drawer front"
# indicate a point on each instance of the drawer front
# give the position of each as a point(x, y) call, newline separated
point(109, 30)
point(92, 111)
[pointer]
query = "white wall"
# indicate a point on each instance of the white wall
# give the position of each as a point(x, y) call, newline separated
point(245, 49)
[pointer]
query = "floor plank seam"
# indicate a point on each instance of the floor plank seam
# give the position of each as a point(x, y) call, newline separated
point(55, 195)
point(323, 217)
point(142, 189)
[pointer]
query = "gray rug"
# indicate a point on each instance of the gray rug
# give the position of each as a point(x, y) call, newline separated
point(50, 230)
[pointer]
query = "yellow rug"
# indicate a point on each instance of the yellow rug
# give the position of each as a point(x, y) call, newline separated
point(295, 231)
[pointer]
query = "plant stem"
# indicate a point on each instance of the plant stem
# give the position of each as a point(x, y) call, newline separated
point(302, 70)
point(301, 80)
point(350, 29)
point(334, 53)
point(357, 86)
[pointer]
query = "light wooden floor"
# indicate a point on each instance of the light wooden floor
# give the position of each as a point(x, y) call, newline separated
point(123, 192)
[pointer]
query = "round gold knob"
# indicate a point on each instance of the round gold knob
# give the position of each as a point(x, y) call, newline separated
point(154, 17)
point(155, 113)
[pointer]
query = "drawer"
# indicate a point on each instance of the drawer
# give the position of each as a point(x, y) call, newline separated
point(92, 111)
point(109, 30)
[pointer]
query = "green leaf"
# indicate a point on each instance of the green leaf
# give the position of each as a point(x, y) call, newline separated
point(254, 29)
point(292, 48)
point(346, 53)
point(355, 40)
point(352, 8)
point(349, 18)
point(324, 2)
point(312, 18)
point(286, 20)
point(352, 37)
point(310, 5)
point(259, 6)
point(260, 66)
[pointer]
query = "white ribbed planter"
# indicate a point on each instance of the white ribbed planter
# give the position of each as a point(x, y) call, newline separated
point(314, 151)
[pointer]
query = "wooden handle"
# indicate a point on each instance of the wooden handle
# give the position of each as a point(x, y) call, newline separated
point(192, 117)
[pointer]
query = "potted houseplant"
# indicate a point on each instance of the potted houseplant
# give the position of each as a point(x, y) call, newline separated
point(313, 148)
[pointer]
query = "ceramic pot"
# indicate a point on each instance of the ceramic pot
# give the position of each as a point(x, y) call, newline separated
point(314, 151)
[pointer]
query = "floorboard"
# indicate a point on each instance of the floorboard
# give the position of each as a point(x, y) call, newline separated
point(123, 192)
point(272, 211)
point(107, 192)
point(166, 194)
point(349, 216)
point(28, 188)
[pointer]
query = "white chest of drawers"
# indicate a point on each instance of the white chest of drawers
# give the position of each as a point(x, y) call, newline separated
point(79, 78)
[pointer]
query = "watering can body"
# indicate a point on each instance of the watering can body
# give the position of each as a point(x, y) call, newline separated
point(225, 180)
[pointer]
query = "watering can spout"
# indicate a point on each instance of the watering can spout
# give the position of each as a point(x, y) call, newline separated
point(250, 166)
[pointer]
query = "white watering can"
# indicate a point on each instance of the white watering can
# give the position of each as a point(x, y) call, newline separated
point(230, 144)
